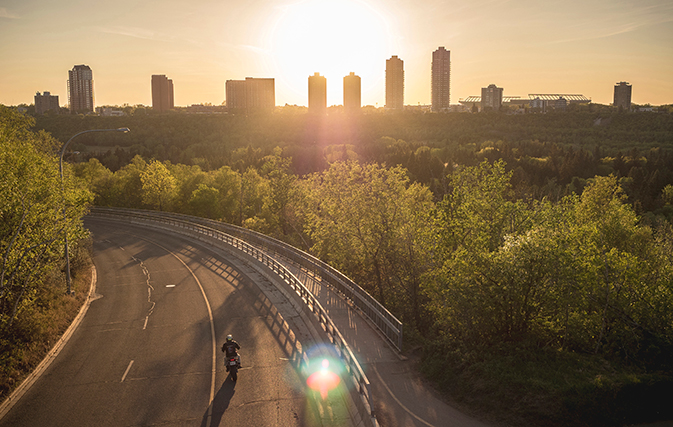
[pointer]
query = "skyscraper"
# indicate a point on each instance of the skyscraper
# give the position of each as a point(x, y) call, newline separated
point(46, 102)
point(394, 83)
point(623, 95)
point(441, 79)
point(162, 93)
point(80, 89)
point(317, 94)
point(352, 92)
point(491, 97)
point(251, 94)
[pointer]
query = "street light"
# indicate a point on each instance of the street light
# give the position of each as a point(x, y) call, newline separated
point(60, 170)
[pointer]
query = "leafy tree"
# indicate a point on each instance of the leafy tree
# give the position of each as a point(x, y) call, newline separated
point(37, 210)
point(158, 185)
point(204, 202)
point(365, 219)
point(127, 190)
point(100, 180)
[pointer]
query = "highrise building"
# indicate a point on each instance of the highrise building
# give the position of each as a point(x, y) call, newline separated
point(491, 97)
point(251, 94)
point(394, 83)
point(623, 95)
point(162, 93)
point(441, 79)
point(46, 102)
point(80, 89)
point(317, 94)
point(352, 92)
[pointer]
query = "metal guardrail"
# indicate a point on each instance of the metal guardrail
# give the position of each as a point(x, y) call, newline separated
point(385, 321)
point(208, 234)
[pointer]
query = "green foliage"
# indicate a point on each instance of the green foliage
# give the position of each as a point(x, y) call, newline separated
point(36, 210)
point(368, 221)
point(158, 185)
point(518, 237)
point(577, 275)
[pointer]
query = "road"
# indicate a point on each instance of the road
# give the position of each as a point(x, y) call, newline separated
point(148, 350)
point(402, 398)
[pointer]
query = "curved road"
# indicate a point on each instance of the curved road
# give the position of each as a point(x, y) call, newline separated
point(148, 350)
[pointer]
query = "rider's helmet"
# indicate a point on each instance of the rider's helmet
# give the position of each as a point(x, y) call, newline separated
point(229, 338)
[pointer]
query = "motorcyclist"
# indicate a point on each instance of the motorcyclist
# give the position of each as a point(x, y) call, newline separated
point(229, 348)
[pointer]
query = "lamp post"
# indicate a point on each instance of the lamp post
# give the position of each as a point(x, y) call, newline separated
point(60, 170)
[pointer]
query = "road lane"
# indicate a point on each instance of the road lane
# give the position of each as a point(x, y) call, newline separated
point(143, 353)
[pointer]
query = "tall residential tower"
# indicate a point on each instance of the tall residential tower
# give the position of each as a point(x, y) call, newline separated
point(441, 79)
point(352, 92)
point(623, 95)
point(317, 94)
point(491, 97)
point(80, 89)
point(162, 93)
point(394, 83)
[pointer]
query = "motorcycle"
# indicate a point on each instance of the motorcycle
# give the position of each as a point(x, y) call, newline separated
point(233, 364)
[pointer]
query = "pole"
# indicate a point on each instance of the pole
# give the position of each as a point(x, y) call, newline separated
point(65, 218)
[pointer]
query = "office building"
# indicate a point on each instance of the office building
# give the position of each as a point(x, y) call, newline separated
point(491, 97)
point(235, 95)
point(394, 83)
point(623, 95)
point(251, 94)
point(260, 94)
point(80, 89)
point(317, 94)
point(352, 92)
point(441, 79)
point(46, 102)
point(162, 93)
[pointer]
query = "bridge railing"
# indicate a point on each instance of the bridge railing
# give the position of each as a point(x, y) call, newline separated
point(208, 234)
point(385, 321)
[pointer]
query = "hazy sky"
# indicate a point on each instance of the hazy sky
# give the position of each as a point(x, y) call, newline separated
point(525, 46)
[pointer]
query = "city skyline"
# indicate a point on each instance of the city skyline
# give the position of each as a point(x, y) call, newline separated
point(525, 47)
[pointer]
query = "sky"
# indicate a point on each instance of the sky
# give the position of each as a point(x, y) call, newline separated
point(525, 46)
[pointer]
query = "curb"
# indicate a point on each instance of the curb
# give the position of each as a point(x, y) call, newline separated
point(30, 380)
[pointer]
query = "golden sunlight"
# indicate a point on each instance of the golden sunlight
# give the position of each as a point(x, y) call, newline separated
point(333, 38)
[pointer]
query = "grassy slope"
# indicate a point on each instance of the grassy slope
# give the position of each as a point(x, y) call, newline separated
point(37, 329)
point(543, 387)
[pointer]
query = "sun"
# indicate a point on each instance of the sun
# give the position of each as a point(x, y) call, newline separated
point(333, 38)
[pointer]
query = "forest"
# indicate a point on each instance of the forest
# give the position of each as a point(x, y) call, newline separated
point(530, 257)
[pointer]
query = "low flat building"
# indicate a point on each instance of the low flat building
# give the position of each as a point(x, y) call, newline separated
point(541, 101)
point(46, 102)
point(251, 94)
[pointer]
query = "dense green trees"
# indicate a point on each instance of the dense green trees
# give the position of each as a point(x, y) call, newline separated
point(581, 274)
point(369, 222)
point(33, 204)
point(551, 154)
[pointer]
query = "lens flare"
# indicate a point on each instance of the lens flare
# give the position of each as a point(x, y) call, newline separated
point(323, 380)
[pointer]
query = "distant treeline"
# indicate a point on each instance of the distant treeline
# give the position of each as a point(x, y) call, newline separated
point(550, 154)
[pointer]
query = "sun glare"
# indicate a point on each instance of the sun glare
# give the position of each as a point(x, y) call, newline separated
point(333, 38)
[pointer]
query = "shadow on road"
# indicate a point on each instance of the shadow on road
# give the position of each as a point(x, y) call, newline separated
point(220, 403)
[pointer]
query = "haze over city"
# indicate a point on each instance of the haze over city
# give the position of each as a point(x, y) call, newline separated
point(525, 47)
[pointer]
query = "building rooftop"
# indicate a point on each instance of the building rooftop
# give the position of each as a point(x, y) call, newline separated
point(541, 96)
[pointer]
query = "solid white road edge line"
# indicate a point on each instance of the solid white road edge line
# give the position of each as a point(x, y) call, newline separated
point(212, 330)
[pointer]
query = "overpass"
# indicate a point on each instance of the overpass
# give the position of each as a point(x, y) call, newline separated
point(383, 389)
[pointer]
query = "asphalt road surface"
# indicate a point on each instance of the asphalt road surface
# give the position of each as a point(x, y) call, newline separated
point(148, 351)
